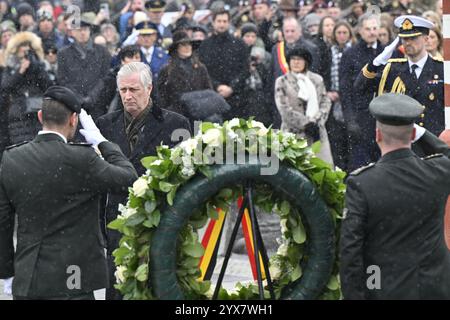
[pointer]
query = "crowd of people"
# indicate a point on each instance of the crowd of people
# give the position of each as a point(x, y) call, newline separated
point(239, 50)
point(311, 68)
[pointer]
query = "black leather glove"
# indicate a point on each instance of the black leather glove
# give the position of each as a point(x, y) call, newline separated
point(312, 130)
point(354, 130)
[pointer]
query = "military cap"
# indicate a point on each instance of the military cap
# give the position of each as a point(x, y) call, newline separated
point(64, 95)
point(395, 109)
point(155, 5)
point(146, 27)
point(412, 26)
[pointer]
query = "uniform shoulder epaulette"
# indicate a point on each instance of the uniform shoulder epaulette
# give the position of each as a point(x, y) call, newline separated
point(432, 156)
point(398, 60)
point(82, 144)
point(358, 171)
point(15, 145)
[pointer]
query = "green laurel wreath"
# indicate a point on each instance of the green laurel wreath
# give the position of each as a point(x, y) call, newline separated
point(172, 168)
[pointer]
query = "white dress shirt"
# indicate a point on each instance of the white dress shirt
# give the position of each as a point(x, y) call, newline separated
point(420, 64)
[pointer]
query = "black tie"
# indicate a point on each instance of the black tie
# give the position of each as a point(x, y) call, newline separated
point(413, 72)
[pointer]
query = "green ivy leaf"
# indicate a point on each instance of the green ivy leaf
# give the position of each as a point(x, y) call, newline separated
point(206, 171)
point(116, 224)
point(134, 220)
point(316, 147)
point(193, 250)
point(299, 234)
point(285, 208)
point(165, 186)
point(171, 195)
point(150, 206)
point(206, 126)
point(141, 273)
point(147, 161)
point(297, 273)
point(333, 283)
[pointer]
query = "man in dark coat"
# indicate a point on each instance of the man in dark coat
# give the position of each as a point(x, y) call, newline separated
point(54, 188)
point(83, 63)
point(392, 236)
point(293, 38)
point(138, 129)
point(360, 125)
point(226, 59)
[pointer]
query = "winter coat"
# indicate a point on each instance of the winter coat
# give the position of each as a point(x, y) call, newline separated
point(226, 59)
point(18, 87)
point(81, 69)
point(293, 109)
point(178, 77)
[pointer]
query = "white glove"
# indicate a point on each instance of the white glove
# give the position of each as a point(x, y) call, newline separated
point(419, 132)
point(131, 39)
point(90, 131)
point(7, 286)
point(384, 56)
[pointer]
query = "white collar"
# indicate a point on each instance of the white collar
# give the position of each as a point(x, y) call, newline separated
point(375, 45)
point(419, 63)
point(54, 132)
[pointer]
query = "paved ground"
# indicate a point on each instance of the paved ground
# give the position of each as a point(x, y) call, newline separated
point(238, 270)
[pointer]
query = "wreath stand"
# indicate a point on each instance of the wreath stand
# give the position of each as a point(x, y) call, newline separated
point(259, 247)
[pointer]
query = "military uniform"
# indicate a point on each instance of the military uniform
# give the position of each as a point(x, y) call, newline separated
point(397, 77)
point(54, 188)
point(394, 220)
point(428, 89)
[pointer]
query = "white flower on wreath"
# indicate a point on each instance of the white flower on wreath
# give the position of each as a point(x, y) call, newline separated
point(120, 274)
point(275, 271)
point(156, 162)
point(188, 171)
point(283, 225)
point(234, 123)
point(140, 186)
point(126, 211)
point(283, 250)
point(212, 137)
point(188, 146)
point(262, 130)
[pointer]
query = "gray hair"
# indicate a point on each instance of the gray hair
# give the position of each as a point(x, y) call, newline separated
point(367, 16)
point(141, 68)
point(288, 19)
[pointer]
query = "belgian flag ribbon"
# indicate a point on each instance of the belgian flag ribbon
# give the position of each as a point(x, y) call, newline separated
point(211, 243)
point(248, 236)
point(281, 57)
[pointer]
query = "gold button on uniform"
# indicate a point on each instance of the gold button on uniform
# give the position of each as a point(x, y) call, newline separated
point(421, 124)
point(422, 115)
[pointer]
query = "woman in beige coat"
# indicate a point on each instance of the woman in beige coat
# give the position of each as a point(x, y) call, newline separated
point(302, 101)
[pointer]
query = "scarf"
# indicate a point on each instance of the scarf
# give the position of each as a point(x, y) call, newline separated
point(307, 92)
point(134, 125)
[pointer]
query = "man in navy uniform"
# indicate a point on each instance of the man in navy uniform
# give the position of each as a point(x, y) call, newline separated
point(419, 75)
point(155, 11)
point(54, 188)
point(392, 235)
point(151, 53)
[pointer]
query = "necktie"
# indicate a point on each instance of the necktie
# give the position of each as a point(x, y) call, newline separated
point(413, 71)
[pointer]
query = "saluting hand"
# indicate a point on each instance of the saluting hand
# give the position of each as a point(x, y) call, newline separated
point(384, 56)
point(90, 131)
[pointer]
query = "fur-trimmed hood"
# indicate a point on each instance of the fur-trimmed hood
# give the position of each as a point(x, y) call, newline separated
point(19, 38)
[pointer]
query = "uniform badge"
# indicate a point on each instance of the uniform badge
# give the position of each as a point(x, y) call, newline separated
point(431, 96)
point(407, 25)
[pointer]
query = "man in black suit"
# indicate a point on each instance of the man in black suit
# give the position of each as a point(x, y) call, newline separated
point(392, 236)
point(54, 188)
point(138, 129)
